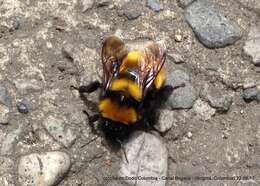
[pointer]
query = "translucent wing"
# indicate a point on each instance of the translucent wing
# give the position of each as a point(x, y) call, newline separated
point(154, 55)
point(113, 50)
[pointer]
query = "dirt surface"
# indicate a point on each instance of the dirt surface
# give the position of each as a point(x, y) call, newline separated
point(48, 46)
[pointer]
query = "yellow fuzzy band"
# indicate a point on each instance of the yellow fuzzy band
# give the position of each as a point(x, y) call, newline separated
point(119, 113)
point(127, 86)
point(130, 61)
point(160, 78)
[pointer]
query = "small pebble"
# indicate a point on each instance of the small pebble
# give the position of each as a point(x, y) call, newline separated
point(154, 5)
point(165, 121)
point(217, 98)
point(184, 3)
point(131, 15)
point(213, 67)
point(86, 5)
point(68, 51)
point(252, 45)
point(183, 97)
point(176, 58)
point(102, 3)
point(189, 134)
point(178, 37)
point(250, 93)
point(4, 114)
point(5, 98)
point(15, 25)
point(22, 108)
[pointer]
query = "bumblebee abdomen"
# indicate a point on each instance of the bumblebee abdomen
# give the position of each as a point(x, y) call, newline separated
point(117, 112)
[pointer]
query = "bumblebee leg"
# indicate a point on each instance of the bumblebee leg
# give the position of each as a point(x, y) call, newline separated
point(90, 141)
point(123, 149)
point(179, 86)
point(93, 86)
point(92, 119)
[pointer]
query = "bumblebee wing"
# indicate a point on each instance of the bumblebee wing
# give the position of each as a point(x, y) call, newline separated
point(154, 55)
point(113, 50)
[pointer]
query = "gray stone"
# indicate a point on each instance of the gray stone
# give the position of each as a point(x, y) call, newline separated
point(184, 3)
point(212, 28)
point(68, 50)
point(4, 114)
point(59, 131)
point(132, 14)
point(250, 93)
point(102, 3)
point(45, 169)
point(213, 67)
point(147, 157)
point(258, 94)
point(203, 110)
point(183, 97)
point(177, 78)
point(176, 58)
point(217, 98)
point(5, 98)
point(9, 141)
point(252, 45)
point(22, 108)
point(154, 5)
point(26, 86)
point(165, 120)
point(15, 25)
point(87, 4)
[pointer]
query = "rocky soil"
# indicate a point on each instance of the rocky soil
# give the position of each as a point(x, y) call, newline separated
point(209, 131)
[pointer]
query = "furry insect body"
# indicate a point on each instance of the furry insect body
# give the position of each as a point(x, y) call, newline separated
point(130, 78)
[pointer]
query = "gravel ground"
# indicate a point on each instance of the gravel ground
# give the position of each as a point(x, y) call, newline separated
point(209, 130)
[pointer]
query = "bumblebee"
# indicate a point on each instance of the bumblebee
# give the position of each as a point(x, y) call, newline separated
point(133, 75)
